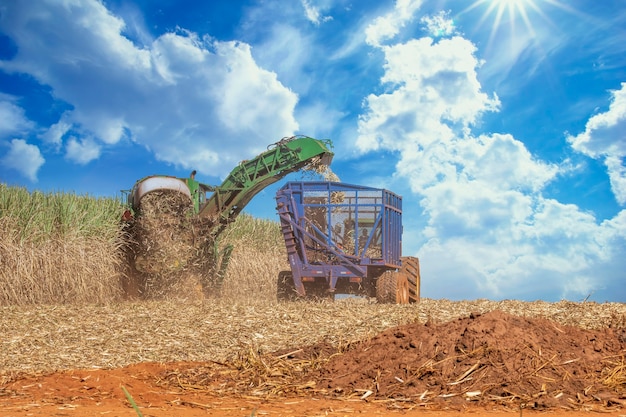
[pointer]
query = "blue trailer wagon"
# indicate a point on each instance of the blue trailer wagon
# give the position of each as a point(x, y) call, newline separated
point(346, 239)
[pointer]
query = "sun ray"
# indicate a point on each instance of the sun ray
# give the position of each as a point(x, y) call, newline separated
point(521, 19)
point(524, 15)
point(496, 21)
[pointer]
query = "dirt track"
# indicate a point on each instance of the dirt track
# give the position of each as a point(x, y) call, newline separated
point(485, 364)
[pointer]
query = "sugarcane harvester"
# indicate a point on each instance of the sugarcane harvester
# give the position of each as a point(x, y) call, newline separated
point(176, 221)
point(345, 239)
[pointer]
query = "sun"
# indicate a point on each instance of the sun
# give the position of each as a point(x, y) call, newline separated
point(515, 12)
point(520, 17)
point(510, 10)
point(514, 9)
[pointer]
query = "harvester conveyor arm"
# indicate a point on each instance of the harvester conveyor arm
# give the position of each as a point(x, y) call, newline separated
point(252, 176)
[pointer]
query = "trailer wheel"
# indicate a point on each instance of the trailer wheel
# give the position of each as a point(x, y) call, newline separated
point(392, 287)
point(285, 288)
point(318, 291)
point(411, 269)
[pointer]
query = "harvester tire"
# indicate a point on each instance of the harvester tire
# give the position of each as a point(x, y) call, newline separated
point(392, 287)
point(285, 288)
point(411, 269)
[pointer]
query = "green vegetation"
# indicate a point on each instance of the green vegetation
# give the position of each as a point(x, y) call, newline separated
point(262, 234)
point(62, 248)
point(38, 217)
point(58, 247)
point(132, 402)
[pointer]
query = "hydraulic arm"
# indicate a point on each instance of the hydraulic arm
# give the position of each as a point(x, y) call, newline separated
point(223, 203)
point(250, 177)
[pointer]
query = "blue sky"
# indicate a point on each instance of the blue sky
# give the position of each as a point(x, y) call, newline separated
point(502, 123)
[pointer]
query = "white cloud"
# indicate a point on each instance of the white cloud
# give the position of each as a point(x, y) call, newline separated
point(489, 229)
point(605, 133)
point(291, 67)
point(433, 86)
point(388, 26)
point(55, 133)
point(617, 176)
point(207, 97)
point(439, 25)
point(24, 158)
point(21, 156)
point(504, 162)
point(313, 12)
point(82, 151)
point(13, 121)
point(239, 81)
point(547, 249)
point(604, 138)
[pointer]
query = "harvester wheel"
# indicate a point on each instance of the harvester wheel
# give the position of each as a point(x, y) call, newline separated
point(392, 287)
point(285, 288)
point(411, 269)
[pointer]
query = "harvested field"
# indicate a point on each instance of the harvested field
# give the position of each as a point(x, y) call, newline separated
point(47, 338)
point(445, 354)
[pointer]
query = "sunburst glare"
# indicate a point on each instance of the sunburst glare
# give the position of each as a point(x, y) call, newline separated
point(515, 13)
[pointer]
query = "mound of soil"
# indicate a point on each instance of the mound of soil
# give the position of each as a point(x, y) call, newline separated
point(483, 359)
point(491, 357)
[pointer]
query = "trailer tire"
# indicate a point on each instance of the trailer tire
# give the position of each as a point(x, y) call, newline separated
point(285, 288)
point(411, 269)
point(318, 291)
point(385, 290)
point(392, 287)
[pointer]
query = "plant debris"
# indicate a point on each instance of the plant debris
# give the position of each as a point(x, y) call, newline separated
point(494, 357)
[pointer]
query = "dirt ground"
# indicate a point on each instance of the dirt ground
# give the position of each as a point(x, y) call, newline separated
point(99, 393)
point(493, 364)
